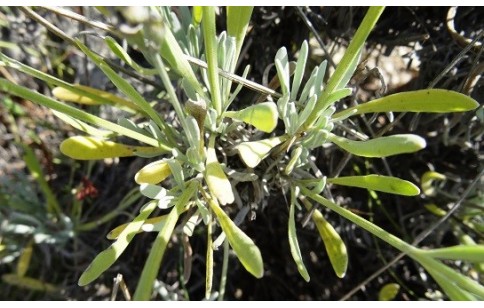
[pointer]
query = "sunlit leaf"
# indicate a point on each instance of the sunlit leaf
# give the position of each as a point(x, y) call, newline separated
point(217, 181)
point(153, 173)
point(238, 18)
point(428, 100)
point(388, 292)
point(376, 182)
point(253, 152)
point(107, 257)
point(263, 116)
point(335, 247)
point(382, 146)
point(245, 249)
point(90, 148)
point(153, 263)
point(149, 225)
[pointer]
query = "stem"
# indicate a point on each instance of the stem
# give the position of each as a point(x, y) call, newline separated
point(210, 39)
point(363, 223)
point(223, 277)
point(153, 263)
point(160, 67)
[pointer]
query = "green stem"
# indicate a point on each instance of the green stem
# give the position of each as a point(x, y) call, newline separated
point(365, 224)
point(131, 197)
point(7, 86)
point(225, 266)
point(160, 67)
point(350, 55)
point(210, 39)
point(153, 263)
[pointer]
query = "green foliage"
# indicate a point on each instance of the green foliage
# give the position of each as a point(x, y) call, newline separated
point(194, 169)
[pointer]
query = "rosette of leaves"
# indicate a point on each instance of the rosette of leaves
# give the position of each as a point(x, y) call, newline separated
point(188, 148)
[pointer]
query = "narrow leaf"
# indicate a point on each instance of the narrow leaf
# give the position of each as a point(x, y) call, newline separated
point(428, 100)
point(28, 283)
point(104, 97)
point(124, 86)
point(217, 181)
point(376, 182)
point(294, 245)
point(9, 87)
point(253, 152)
point(238, 18)
point(24, 259)
point(335, 247)
point(90, 148)
point(149, 225)
point(471, 253)
point(300, 68)
point(263, 116)
point(153, 173)
point(382, 146)
point(107, 257)
point(153, 263)
point(82, 126)
point(245, 249)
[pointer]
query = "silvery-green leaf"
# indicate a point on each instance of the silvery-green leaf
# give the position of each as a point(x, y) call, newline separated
point(300, 68)
point(152, 191)
point(319, 81)
point(282, 66)
point(309, 85)
point(203, 211)
point(193, 132)
point(177, 171)
point(308, 109)
point(192, 222)
point(291, 118)
point(282, 106)
point(382, 146)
